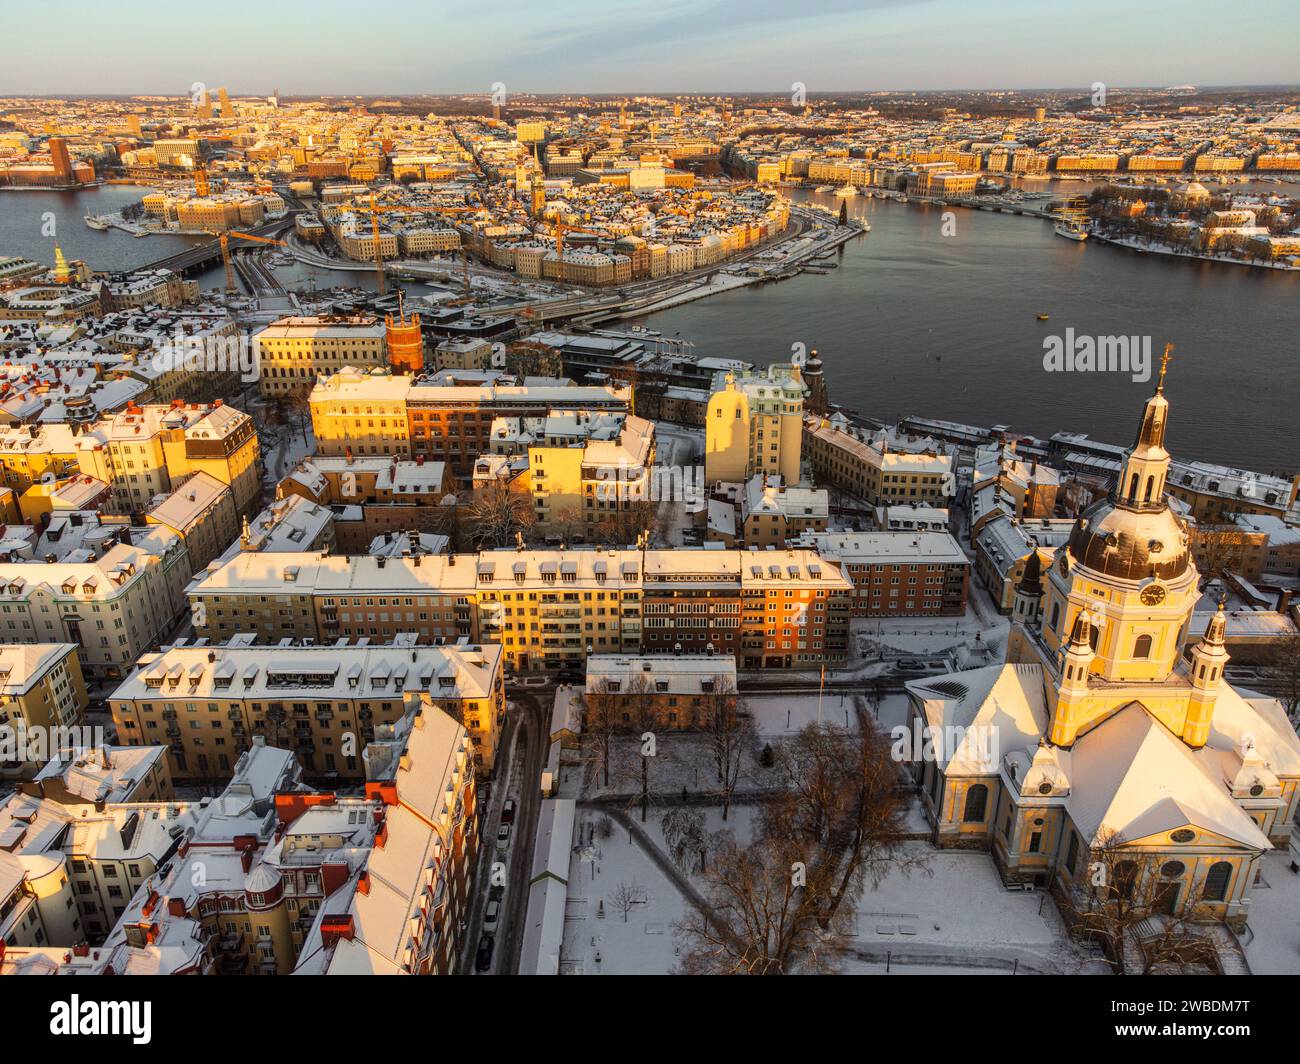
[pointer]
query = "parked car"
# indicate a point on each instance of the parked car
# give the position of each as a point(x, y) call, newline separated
point(491, 914)
point(508, 811)
point(483, 960)
point(496, 892)
point(917, 667)
point(503, 836)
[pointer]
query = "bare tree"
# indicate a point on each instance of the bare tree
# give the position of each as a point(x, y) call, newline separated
point(497, 516)
point(686, 839)
point(731, 735)
point(598, 707)
point(762, 914)
point(1283, 668)
point(845, 802)
point(1112, 899)
point(777, 906)
point(626, 895)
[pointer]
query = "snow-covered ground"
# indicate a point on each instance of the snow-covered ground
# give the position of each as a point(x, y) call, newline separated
point(787, 714)
point(1275, 918)
point(643, 943)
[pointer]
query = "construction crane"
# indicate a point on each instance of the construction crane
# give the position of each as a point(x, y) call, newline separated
point(375, 208)
point(224, 240)
point(558, 230)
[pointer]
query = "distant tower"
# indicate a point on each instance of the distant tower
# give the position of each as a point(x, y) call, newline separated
point(62, 271)
point(538, 190)
point(405, 343)
point(1028, 604)
point(224, 98)
point(817, 400)
point(62, 160)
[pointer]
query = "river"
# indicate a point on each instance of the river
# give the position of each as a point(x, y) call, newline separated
point(914, 321)
point(945, 326)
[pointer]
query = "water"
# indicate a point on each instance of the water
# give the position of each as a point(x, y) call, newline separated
point(23, 215)
point(914, 322)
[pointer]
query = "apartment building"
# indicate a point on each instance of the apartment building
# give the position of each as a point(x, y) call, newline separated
point(402, 905)
point(31, 453)
point(373, 414)
point(323, 701)
point(202, 513)
point(586, 471)
point(149, 450)
point(371, 496)
point(104, 774)
point(294, 351)
point(42, 703)
point(548, 609)
point(899, 574)
point(114, 606)
point(881, 471)
point(754, 425)
point(663, 690)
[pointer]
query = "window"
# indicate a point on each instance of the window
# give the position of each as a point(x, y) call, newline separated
point(1072, 853)
point(976, 800)
point(1216, 881)
point(1142, 648)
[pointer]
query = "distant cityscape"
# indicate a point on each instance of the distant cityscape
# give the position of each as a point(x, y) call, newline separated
point(384, 590)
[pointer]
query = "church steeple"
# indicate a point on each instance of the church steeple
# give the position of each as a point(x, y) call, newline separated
point(1209, 657)
point(1141, 482)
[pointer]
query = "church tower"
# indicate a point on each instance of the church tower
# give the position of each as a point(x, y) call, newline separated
point(1126, 586)
point(1209, 656)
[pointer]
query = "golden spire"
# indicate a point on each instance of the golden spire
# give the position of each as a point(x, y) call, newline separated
point(1164, 368)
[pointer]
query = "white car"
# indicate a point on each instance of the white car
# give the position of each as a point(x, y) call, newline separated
point(491, 914)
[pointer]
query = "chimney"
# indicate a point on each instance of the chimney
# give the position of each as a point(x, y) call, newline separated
point(1283, 599)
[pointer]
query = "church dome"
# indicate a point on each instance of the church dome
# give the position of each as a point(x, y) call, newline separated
point(1130, 544)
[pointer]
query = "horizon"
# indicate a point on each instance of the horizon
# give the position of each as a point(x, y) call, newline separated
point(584, 47)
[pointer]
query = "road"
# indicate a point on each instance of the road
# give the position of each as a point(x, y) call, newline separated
point(524, 742)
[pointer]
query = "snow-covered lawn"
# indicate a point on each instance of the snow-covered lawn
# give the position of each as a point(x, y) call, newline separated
point(924, 636)
point(1275, 918)
point(787, 714)
point(641, 944)
point(963, 903)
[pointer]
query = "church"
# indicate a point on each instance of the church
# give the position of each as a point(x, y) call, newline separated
point(1105, 729)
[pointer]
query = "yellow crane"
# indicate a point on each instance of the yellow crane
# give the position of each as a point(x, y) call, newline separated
point(224, 240)
point(374, 208)
point(558, 230)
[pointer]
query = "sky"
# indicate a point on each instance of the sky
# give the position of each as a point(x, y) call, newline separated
point(640, 46)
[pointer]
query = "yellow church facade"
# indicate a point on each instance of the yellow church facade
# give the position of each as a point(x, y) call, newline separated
point(1106, 730)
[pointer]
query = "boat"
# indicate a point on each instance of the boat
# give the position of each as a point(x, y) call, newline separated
point(95, 222)
point(1042, 317)
point(824, 188)
point(846, 190)
point(1071, 230)
point(902, 199)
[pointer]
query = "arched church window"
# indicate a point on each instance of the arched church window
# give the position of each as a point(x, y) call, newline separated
point(977, 799)
point(1056, 615)
point(1125, 875)
point(1216, 881)
point(1151, 486)
point(1093, 634)
point(1133, 489)
point(1142, 648)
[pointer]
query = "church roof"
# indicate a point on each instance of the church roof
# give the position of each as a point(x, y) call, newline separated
point(1133, 777)
point(999, 708)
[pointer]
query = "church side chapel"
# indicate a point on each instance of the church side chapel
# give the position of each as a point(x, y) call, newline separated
point(1107, 733)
